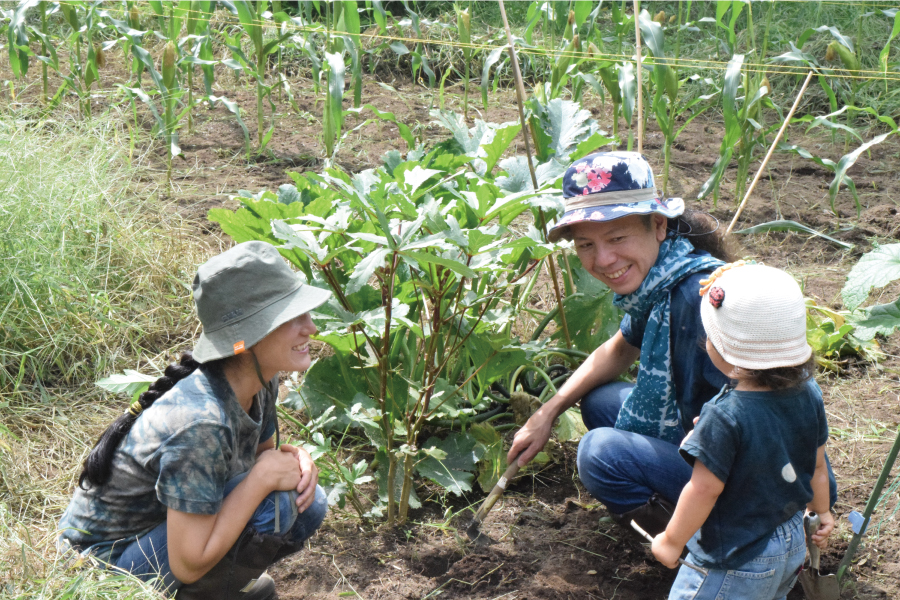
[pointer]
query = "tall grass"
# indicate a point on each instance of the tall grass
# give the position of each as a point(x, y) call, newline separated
point(89, 272)
point(94, 277)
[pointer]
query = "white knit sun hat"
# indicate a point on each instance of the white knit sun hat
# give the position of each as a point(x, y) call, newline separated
point(755, 317)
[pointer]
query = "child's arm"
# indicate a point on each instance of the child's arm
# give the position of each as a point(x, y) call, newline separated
point(821, 500)
point(694, 505)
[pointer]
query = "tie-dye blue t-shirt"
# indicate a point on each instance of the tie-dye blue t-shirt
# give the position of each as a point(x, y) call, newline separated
point(179, 454)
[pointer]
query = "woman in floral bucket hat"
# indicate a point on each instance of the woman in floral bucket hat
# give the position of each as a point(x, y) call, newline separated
point(652, 254)
point(189, 487)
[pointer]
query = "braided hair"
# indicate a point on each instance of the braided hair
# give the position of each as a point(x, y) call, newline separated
point(97, 468)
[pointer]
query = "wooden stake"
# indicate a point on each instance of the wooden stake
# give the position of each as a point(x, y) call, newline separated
point(768, 154)
point(520, 100)
point(640, 85)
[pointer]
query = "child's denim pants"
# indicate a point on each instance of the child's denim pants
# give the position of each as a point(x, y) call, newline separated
point(769, 576)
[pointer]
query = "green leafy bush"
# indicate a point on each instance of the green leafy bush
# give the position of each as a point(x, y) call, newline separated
point(427, 280)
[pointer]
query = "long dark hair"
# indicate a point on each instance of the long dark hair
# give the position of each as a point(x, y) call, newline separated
point(705, 233)
point(97, 468)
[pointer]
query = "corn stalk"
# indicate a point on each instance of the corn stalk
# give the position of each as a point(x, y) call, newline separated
point(249, 14)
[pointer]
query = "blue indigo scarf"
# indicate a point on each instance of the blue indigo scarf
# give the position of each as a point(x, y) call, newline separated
point(651, 408)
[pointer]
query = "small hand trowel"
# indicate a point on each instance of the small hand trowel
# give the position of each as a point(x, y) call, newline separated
point(815, 585)
point(474, 528)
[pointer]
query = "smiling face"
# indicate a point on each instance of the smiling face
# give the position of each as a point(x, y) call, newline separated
point(286, 348)
point(621, 252)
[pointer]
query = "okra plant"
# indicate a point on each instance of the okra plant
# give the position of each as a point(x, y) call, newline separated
point(427, 281)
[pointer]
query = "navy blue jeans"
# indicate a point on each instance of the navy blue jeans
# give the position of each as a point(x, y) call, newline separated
point(147, 556)
point(622, 469)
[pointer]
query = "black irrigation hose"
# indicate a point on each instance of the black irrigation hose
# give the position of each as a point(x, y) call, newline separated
point(501, 389)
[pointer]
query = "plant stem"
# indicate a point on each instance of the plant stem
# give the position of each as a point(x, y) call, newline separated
point(43, 6)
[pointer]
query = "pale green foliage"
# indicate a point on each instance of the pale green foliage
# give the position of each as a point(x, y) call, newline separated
point(87, 275)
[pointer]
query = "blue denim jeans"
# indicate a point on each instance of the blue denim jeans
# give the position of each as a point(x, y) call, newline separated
point(147, 556)
point(769, 576)
point(622, 469)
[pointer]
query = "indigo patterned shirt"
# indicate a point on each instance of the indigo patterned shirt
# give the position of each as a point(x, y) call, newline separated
point(179, 454)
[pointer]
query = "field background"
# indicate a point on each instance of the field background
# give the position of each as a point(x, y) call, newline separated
point(101, 182)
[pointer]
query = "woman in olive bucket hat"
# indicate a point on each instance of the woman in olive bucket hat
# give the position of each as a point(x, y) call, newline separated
point(652, 254)
point(184, 486)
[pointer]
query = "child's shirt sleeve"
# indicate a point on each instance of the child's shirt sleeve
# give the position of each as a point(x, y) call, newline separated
point(714, 442)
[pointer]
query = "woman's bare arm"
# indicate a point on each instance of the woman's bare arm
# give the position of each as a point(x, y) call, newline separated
point(604, 364)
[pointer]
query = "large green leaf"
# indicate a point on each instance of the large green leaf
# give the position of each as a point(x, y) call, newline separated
point(570, 427)
point(881, 319)
point(628, 89)
point(874, 269)
point(493, 460)
point(565, 125)
point(895, 30)
point(652, 35)
point(503, 137)
point(131, 382)
point(329, 382)
point(455, 472)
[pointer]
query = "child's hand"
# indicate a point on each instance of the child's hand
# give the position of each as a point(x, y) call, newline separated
point(665, 551)
point(826, 525)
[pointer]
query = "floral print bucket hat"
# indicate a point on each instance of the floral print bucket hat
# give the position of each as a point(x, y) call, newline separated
point(608, 185)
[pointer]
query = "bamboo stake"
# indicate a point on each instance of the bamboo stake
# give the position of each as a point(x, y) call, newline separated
point(640, 84)
point(520, 100)
point(769, 154)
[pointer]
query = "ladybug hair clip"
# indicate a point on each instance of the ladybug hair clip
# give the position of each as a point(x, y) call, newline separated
point(706, 284)
point(716, 296)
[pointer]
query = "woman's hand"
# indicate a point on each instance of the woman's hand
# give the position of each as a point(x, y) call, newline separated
point(277, 471)
point(826, 526)
point(531, 439)
point(665, 551)
point(306, 488)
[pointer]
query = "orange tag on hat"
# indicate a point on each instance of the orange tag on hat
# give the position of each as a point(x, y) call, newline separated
point(239, 347)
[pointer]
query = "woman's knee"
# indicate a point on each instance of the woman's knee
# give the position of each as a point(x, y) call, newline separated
point(600, 407)
point(310, 519)
point(596, 459)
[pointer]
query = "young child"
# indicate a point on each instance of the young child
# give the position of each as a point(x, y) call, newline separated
point(758, 448)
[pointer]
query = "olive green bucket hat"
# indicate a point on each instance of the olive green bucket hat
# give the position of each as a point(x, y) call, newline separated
point(243, 295)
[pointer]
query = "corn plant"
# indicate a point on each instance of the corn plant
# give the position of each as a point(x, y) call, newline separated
point(83, 18)
point(743, 134)
point(841, 167)
point(196, 25)
point(249, 13)
point(665, 104)
point(17, 38)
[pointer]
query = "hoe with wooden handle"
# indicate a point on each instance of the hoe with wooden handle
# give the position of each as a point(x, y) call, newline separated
point(474, 528)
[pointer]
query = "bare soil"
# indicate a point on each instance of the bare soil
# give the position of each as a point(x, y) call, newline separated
point(553, 541)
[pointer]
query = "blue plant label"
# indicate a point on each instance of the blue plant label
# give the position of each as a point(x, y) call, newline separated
point(856, 521)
